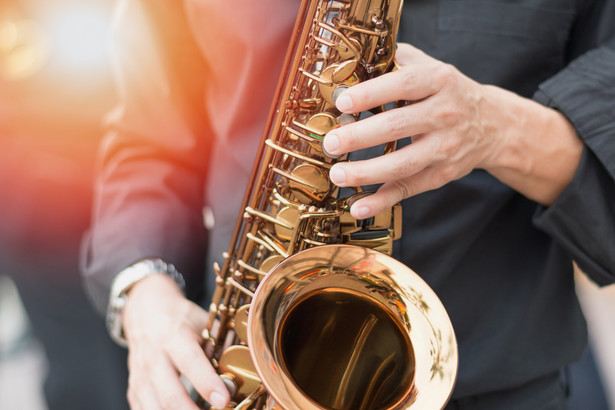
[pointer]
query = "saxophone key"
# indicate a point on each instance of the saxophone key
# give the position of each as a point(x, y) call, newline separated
point(236, 361)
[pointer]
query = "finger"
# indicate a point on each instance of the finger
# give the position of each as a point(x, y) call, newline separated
point(147, 398)
point(393, 192)
point(197, 317)
point(141, 394)
point(189, 358)
point(141, 360)
point(407, 54)
point(171, 393)
point(404, 162)
point(133, 403)
point(412, 82)
point(378, 129)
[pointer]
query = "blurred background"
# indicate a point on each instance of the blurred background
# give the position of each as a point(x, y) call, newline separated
point(55, 88)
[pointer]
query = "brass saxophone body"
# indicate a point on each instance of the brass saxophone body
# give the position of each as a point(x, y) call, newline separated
point(309, 311)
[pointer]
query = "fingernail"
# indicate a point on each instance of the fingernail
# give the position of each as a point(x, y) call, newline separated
point(361, 212)
point(337, 175)
point(331, 143)
point(344, 103)
point(217, 400)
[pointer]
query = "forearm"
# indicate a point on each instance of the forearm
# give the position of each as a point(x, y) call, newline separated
point(152, 163)
point(538, 150)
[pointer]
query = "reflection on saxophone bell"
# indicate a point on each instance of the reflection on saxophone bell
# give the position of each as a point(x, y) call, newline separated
point(310, 311)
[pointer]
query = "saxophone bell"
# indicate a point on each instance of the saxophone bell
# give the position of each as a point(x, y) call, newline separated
point(347, 327)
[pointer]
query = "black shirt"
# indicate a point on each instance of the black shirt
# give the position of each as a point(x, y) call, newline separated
point(500, 263)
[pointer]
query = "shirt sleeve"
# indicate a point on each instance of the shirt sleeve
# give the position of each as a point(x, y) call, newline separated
point(582, 219)
point(152, 162)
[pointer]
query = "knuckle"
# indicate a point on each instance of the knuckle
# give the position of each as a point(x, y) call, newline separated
point(395, 123)
point(448, 146)
point(401, 189)
point(448, 115)
point(445, 74)
point(407, 80)
point(405, 166)
point(137, 362)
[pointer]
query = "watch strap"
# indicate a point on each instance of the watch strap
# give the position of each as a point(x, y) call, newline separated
point(124, 281)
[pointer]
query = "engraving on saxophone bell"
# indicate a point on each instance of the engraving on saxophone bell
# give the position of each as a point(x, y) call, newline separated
point(309, 311)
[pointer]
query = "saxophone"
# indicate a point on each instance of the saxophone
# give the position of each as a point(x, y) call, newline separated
point(309, 311)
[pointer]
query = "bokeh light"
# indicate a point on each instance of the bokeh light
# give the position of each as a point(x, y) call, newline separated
point(78, 35)
point(67, 40)
point(23, 49)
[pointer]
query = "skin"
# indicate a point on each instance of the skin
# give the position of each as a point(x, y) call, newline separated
point(163, 330)
point(457, 125)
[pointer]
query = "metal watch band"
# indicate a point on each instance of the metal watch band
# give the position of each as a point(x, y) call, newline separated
point(124, 281)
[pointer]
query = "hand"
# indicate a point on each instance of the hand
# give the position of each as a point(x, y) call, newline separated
point(163, 330)
point(456, 125)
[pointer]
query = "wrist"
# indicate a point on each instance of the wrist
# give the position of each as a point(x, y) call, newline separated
point(538, 150)
point(509, 118)
point(124, 282)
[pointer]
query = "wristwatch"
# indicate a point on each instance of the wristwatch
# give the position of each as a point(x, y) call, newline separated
point(124, 281)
